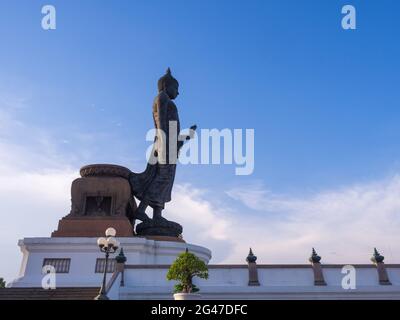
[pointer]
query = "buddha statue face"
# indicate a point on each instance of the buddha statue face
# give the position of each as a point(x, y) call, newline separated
point(172, 90)
point(169, 85)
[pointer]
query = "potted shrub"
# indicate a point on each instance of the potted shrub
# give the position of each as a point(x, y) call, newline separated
point(184, 268)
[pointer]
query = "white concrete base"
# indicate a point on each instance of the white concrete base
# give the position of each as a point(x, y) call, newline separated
point(187, 296)
point(144, 274)
point(83, 253)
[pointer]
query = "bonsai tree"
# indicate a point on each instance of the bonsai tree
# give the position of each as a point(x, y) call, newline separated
point(184, 268)
point(2, 283)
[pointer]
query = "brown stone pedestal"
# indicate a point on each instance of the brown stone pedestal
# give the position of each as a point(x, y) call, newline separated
point(100, 199)
point(92, 227)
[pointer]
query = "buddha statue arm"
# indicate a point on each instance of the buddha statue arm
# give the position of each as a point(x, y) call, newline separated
point(186, 137)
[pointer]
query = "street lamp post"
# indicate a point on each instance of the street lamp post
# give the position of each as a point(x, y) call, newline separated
point(108, 245)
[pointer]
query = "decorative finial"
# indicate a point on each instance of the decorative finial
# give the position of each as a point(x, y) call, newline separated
point(315, 258)
point(251, 258)
point(120, 258)
point(377, 257)
point(168, 71)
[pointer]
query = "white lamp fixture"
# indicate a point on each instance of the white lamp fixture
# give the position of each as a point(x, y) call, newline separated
point(107, 245)
point(111, 232)
point(102, 242)
point(112, 242)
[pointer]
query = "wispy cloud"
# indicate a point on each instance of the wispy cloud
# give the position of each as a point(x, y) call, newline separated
point(345, 224)
point(203, 222)
point(34, 186)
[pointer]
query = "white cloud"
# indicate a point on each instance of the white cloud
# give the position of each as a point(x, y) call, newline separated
point(203, 223)
point(30, 205)
point(34, 187)
point(344, 224)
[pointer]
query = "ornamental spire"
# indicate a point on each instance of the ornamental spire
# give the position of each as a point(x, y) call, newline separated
point(315, 258)
point(377, 257)
point(251, 258)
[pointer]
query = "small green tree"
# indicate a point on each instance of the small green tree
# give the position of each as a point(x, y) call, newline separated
point(2, 283)
point(184, 268)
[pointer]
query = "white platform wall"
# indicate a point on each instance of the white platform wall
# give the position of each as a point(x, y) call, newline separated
point(147, 263)
point(84, 252)
point(276, 282)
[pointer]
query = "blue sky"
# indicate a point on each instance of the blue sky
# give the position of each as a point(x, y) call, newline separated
point(324, 102)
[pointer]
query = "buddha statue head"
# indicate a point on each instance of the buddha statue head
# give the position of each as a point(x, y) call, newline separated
point(169, 85)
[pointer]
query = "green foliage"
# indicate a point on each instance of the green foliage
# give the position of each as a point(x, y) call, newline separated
point(2, 283)
point(184, 268)
point(179, 288)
